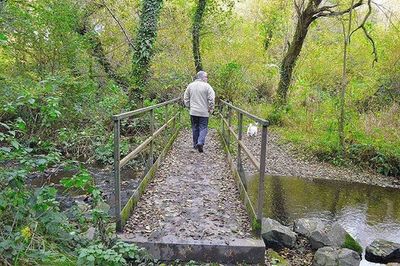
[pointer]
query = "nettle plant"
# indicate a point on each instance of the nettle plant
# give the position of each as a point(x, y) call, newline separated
point(104, 249)
point(33, 228)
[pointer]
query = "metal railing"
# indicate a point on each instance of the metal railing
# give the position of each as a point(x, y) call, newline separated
point(227, 110)
point(147, 143)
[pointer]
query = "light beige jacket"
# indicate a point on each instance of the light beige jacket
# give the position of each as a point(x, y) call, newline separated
point(200, 98)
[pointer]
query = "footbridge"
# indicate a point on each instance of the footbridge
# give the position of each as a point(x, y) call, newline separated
point(189, 205)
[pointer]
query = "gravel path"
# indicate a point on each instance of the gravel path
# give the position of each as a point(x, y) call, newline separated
point(283, 160)
point(193, 197)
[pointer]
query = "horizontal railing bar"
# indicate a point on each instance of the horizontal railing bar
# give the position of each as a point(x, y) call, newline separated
point(141, 147)
point(142, 110)
point(257, 119)
point(253, 159)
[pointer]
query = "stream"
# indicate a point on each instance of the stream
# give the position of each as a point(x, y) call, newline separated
point(367, 212)
point(104, 180)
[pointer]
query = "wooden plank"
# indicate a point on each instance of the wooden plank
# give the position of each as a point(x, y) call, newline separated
point(256, 118)
point(142, 110)
point(143, 145)
point(131, 204)
point(239, 148)
point(255, 224)
point(252, 158)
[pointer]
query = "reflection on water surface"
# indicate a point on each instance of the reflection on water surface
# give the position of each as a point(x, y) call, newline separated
point(368, 212)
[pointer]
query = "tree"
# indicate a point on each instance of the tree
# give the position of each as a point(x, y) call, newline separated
point(143, 49)
point(196, 29)
point(307, 12)
point(347, 33)
point(98, 52)
point(208, 14)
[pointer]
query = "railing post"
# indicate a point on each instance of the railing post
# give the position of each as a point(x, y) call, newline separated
point(222, 122)
point(151, 150)
point(166, 114)
point(229, 125)
point(179, 116)
point(117, 177)
point(261, 187)
point(240, 133)
point(174, 121)
point(165, 122)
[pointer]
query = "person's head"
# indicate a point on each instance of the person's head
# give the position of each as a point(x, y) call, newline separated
point(202, 75)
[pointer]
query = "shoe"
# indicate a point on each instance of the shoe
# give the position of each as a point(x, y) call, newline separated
point(200, 148)
point(195, 147)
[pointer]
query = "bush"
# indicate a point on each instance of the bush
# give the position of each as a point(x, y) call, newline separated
point(229, 81)
point(367, 155)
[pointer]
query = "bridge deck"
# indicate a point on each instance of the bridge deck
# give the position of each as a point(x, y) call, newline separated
point(192, 210)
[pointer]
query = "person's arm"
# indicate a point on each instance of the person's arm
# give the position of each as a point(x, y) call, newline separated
point(186, 97)
point(211, 99)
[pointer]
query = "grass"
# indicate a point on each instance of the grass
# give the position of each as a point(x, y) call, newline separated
point(372, 139)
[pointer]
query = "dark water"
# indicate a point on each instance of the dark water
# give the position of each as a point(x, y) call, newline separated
point(103, 178)
point(367, 212)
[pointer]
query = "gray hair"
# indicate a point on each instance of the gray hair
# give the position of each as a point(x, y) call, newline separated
point(201, 75)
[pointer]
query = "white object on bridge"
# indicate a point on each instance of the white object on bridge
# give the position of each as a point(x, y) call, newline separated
point(252, 130)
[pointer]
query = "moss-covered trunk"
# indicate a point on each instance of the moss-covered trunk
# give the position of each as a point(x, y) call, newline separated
point(196, 28)
point(143, 50)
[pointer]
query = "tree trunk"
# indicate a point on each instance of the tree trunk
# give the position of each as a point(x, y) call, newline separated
point(197, 25)
point(99, 53)
point(144, 48)
point(342, 96)
point(306, 17)
point(346, 37)
point(289, 61)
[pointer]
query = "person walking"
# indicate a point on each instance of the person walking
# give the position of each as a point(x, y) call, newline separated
point(200, 98)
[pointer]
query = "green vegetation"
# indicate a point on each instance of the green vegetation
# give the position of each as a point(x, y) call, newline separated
point(310, 119)
point(275, 258)
point(352, 244)
point(34, 229)
point(67, 66)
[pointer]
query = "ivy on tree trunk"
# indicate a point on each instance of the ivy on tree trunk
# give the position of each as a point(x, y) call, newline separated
point(196, 28)
point(143, 49)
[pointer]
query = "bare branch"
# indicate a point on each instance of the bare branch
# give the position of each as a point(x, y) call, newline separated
point(385, 12)
point(119, 23)
point(328, 12)
point(362, 26)
point(364, 20)
point(374, 52)
point(297, 7)
point(326, 8)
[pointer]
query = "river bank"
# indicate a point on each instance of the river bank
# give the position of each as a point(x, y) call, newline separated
point(285, 159)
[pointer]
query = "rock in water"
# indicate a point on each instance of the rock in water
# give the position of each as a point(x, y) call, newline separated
point(383, 251)
point(276, 235)
point(333, 235)
point(334, 256)
point(307, 226)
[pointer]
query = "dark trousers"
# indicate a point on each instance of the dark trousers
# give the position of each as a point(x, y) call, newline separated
point(199, 129)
